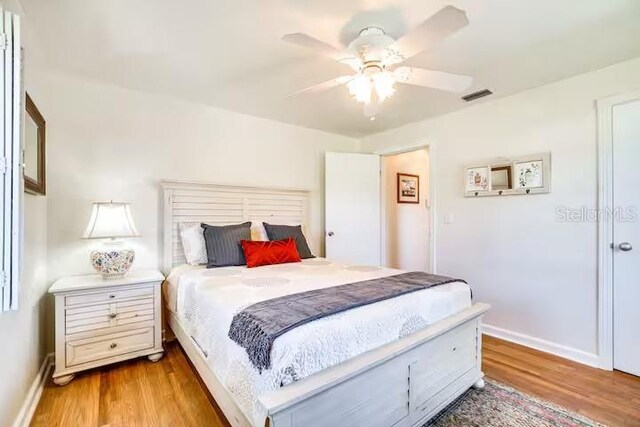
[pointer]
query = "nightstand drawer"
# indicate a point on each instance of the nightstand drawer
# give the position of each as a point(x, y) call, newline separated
point(133, 305)
point(87, 312)
point(117, 313)
point(106, 346)
point(113, 295)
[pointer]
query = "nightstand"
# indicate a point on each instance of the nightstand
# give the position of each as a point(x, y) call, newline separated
point(100, 321)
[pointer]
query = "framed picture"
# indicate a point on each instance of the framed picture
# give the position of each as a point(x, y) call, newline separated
point(529, 174)
point(477, 179)
point(35, 172)
point(408, 188)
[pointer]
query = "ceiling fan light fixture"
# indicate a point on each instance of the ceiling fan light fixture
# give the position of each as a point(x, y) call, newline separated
point(384, 84)
point(360, 88)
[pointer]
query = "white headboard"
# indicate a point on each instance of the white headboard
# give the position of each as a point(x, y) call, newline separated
point(217, 204)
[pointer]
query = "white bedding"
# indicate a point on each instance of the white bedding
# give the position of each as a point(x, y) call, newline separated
point(205, 302)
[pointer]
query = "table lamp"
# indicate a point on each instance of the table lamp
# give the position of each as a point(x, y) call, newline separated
point(112, 221)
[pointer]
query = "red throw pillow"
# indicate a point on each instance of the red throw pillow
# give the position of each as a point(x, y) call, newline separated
point(271, 252)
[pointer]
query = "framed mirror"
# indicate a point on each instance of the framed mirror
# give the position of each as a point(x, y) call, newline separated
point(35, 175)
point(501, 178)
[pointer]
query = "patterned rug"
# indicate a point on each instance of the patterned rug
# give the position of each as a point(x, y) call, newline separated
point(501, 406)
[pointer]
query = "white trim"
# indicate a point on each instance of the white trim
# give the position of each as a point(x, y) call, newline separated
point(35, 392)
point(11, 193)
point(605, 224)
point(565, 352)
point(433, 205)
point(17, 185)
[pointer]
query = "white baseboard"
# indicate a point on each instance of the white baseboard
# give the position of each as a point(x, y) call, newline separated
point(35, 392)
point(570, 353)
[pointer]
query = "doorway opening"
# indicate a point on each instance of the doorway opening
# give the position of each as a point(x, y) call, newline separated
point(406, 210)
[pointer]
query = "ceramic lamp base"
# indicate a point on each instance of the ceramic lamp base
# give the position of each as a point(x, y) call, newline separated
point(112, 263)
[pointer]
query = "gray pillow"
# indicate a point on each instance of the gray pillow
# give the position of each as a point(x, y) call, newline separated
point(223, 244)
point(280, 232)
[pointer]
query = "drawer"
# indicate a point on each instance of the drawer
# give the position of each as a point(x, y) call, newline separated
point(132, 317)
point(116, 313)
point(106, 346)
point(133, 305)
point(447, 395)
point(87, 312)
point(346, 405)
point(441, 362)
point(107, 296)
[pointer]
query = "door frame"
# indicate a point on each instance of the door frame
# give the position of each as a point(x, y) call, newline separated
point(605, 223)
point(430, 146)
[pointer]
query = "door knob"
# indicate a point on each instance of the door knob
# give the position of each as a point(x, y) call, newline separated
point(330, 233)
point(625, 246)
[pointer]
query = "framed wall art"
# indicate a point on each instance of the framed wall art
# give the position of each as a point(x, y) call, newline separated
point(528, 174)
point(477, 179)
point(408, 188)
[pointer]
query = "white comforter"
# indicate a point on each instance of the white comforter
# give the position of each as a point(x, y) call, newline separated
point(206, 301)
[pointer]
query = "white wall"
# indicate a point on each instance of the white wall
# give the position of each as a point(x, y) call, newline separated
point(26, 333)
point(405, 225)
point(539, 274)
point(112, 143)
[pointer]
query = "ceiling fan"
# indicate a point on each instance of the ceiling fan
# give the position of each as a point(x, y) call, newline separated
point(376, 58)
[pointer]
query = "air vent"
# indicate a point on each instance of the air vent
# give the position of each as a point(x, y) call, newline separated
point(475, 95)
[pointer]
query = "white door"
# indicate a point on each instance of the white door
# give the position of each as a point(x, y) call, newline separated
point(626, 234)
point(352, 207)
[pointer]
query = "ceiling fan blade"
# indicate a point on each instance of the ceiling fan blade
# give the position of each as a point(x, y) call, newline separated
point(440, 25)
point(316, 45)
point(434, 79)
point(323, 86)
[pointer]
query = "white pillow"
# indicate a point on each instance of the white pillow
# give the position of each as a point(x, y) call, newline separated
point(193, 244)
point(258, 233)
point(194, 247)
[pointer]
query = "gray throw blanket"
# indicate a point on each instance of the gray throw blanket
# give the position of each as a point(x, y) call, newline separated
point(256, 327)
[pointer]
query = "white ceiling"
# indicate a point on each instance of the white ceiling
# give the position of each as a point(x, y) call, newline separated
point(229, 53)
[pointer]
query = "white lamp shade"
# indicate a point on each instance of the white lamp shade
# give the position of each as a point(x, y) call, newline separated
point(110, 220)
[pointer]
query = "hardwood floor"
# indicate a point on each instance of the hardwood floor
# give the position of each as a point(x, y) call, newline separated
point(133, 393)
point(612, 398)
point(169, 393)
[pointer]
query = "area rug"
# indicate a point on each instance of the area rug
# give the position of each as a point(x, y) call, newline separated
point(501, 406)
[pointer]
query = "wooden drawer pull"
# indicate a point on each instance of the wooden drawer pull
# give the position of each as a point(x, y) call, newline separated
point(113, 345)
point(112, 315)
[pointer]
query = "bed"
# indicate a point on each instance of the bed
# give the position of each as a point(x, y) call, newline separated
point(394, 362)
